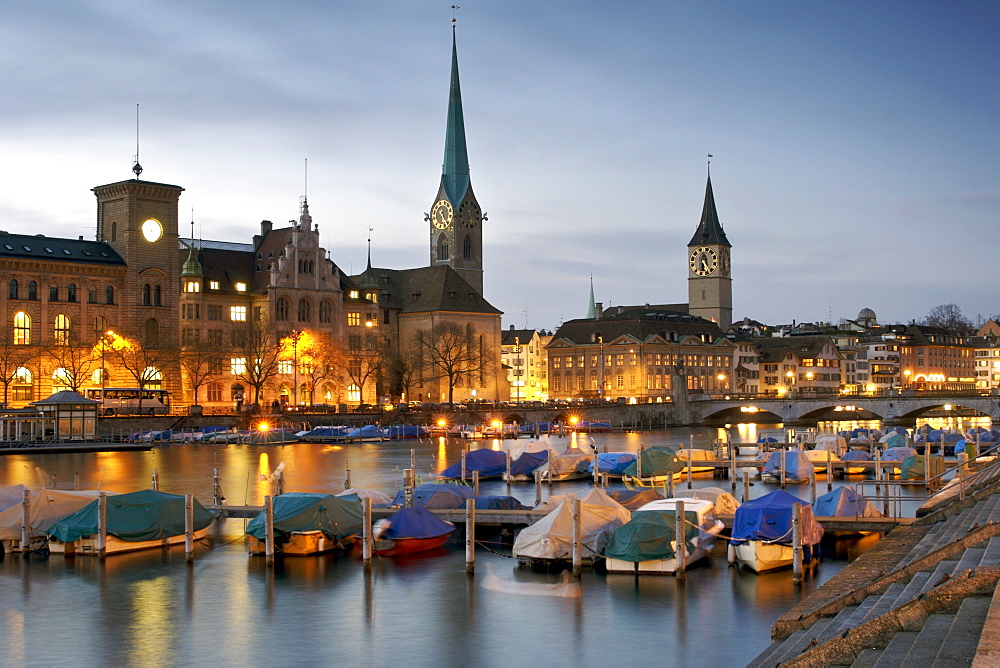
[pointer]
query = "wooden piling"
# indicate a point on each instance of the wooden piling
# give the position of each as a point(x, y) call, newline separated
point(475, 483)
point(470, 535)
point(408, 479)
point(746, 486)
point(463, 465)
point(216, 488)
point(577, 539)
point(268, 531)
point(538, 487)
point(413, 459)
point(76, 481)
point(670, 486)
point(189, 528)
point(508, 472)
point(26, 522)
point(829, 471)
point(281, 483)
point(156, 481)
point(784, 451)
point(812, 484)
point(347, 478)
point(689, 465)
point(732, 467)
point(963, 464)
point(604, 480)
point(366, 533)
point(797, 543)
point(681, 549)
point(102, 525)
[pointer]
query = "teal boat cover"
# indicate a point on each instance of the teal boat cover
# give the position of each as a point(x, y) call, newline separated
point(336, 516)
point(657, 460)
point(135, 517)
point(649, 535)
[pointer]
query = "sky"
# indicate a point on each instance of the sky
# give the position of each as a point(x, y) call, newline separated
point(855, 144)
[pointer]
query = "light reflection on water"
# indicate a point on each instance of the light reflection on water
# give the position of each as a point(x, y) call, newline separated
point(229, 609)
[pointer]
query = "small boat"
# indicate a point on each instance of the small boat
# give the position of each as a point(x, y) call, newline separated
point(136, 521)
point(307, 523)
point(401, 431)
point(612, 463)
point(522, 469)
point(47, 507)
point(410, 531)
point(897, 454)
point(653, 466)
point(633, 499)
point(833, 442)
point(489, 463)
point(857, 456)
point(762, 533)
point(369, 433)
point(819, 458)
point(797, 466)
point(573, 464)
point(439, 495)
point(845, 502)
point(648, 542)
point(325, 434)
point(724, 502)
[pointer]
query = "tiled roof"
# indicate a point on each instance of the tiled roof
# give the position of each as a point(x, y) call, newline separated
point(425, 289)
point(638, 322)
point(40, 247)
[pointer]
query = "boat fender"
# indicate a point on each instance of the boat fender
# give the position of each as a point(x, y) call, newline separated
point(379, 528)
point(731, 553)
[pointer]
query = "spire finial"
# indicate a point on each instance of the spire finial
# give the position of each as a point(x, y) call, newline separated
point(453, 8)
point(370, 228)
point(710, 164)
point(136, 167)
point(305, 185)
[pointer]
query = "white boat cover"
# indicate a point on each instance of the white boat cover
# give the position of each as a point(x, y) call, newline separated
point(552, 536)
point(567, 462)
point(379, 499)
point(11, 496)
point(725, 503)
point(48, 506)
point(832, 442)
point(695, 455)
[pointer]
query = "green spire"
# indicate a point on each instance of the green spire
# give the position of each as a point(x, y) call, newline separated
point(591, 311)
point(192, 266)
point(455, 172)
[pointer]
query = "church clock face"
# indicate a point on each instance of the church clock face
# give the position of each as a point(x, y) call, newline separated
point(152, 230)
point(704, 261)
point(442, 213)
point(469, 214)
point(724, 262)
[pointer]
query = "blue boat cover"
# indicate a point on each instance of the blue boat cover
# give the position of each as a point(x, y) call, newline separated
point(769, 518)
point(416, 523)
point(368, 431)
point(489, 463)
point(406, 431)
point(11, 496)
point(499, 503)
point(437, 495)
point(136, 516)
point(528, 462)
point(897, 454)
point(612, 463)
point(857, 456)
point(797, 467)
point(767, 439)
point(335, 516)
point(844, 502)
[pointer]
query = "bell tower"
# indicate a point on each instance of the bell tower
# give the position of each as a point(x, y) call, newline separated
point(455, 223)
point(710, 284)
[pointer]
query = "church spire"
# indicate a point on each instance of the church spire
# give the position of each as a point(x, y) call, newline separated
point(591, 310)
point(709, 229)
point(455, 171)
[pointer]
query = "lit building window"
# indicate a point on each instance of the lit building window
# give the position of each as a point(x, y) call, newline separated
point(214, 285)
point(238, 365)
point(22, 329)
point(61, 380)
point(192, 286)
point(241, 287)
point(285, 366)
point(353, 393)
point(238, 313)
point(354, 319)
point(61, 330)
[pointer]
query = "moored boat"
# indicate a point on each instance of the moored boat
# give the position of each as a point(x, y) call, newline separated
point(410, 531)
point(797, 466)
point(47, 506)
point(762, 533)
point(307, 523)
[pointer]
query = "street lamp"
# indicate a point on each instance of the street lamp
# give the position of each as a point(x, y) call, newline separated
point(790, 377)
point(104, 343)
point(600, 388)
point(722, 381)
point(517, 370)
point(906, 378)
point(809, 377)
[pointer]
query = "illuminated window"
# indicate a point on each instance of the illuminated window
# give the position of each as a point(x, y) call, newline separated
point(353, 294)
point(238, 313)
point(241, 287)
point(354, 319)
point(238, 365)
point(152, 378)
point(353, 393)
point(372, 296)
point(61, 330)
point(192, 286)
point(285, 366)
point(213, 285)
point(61, 379)
point(22, 329)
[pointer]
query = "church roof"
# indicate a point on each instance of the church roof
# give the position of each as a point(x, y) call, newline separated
point(638, 322)
point(709, 228)
point(425, 289)
point(40, 247)
point(455, 171)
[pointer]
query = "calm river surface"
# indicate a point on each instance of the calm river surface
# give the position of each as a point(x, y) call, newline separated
point(228, 609)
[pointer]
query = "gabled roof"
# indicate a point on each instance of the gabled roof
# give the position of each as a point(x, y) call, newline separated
point(425, 289)
point(519, 336)
point(637, 323)
point(709, 228)
point(53, 249)
point(775, 349)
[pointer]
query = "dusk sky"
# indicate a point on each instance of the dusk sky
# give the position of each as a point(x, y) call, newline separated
point(856, 144)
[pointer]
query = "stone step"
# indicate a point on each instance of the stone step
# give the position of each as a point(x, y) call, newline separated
point(868, 658)
point(971, 558)
point(992, 555)
point(929, 640)
point(796, 643)
point(761, 658)
point(959, 648)
point(942, 569)
point(894, 653)
point(845, 619)
point(883, 603)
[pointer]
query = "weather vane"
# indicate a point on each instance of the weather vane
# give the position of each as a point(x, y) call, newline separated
point(709, 163)
point(453, 8)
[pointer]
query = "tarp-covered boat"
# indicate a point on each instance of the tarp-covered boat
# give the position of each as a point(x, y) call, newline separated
point(915, 467)
point(47, 507)
point(436, 495)
point(410, 531)
point(136, 521)
point(489, 463)
point(523, 467)
point(857, 456)
point(612, 463)
point(308, 523)
point(653, 466)
point(724, 502)
point(551, 538)
point(11, 496)
point(762, 532)
point(797, 466)
point(369, 432)
point(573, 464)
point(898, 454)
point(844, 502)
point(399, 431)
point(499, 503)
point(648, 542)
point(325, 434)
point(633, 499)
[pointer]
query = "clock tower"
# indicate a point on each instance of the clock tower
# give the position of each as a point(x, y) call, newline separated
point(710, 284)
point(456, 219)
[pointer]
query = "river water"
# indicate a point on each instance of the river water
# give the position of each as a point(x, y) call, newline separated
point(228, 609)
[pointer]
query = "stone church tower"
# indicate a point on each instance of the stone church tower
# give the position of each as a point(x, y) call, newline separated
point(456, 219)
point(710, 284)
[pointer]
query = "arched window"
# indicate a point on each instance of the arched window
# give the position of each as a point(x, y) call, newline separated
point(32, 290)
point(61, 380)
point(152, 332)
point(95, 378)
point(22, 329)
point(326, 311)
point(153, 378)
point(114, 230)
point(71, 292)
point(157, 295)
point(467, 248)
point(12, 289)
point(60, 331)
point(22, 385)
point(146, 290)
point(281, 310)
point(442, 248)
point(305, 310)
point(192, 286)
point(100, 327)
point(109, 294)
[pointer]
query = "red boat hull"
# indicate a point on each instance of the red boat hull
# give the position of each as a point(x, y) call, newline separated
point(402, 546)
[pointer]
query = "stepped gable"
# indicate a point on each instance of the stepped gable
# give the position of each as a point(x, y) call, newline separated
point(927, 594)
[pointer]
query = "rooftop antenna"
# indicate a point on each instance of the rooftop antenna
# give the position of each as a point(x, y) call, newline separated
point(526, 315)
point(370, 228)
point(136, 167)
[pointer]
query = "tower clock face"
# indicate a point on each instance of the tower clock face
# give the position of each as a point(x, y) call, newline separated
point(470, 214)
point(724, 262)
point(704, 261)
point(442, 213)
point(152, 230)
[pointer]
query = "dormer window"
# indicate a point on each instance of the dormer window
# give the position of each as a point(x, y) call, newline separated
point(213, 285)
point(241, 287)
point(353, 294)
point(192, 286)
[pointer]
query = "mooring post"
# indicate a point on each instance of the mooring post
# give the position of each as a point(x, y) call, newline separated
point(366, 534)
point(681, 550)
point(538, 486)
point(470, 535)
point(268, 531)
point(829, 471)
point(347, 478)
point(216, 488)
point(783, 453)
point(463, 465)
point(508, 472)
point(638, 463)
point(76, 481)
point(963, 464)
point(55, 482)
point(927, 462)
point(670, 487)
point(413, 459)
point(746, 486)
point(408, 480)
point(475, 483)
point(689, 466)
point(604, 480)
point(189, 528)
point(102, 525)
point(732, 467)
point(577, 539)
point(26, 522)
point(156, 481)
point(812, 484)
point(797, 543)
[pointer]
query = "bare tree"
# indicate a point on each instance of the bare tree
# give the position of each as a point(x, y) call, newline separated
point(451, 354)
point(319, 359)
point(363, 362)
point(13, 357)
point(949, 316)
point(142, 357)
point(76, 361)
point(198, 361)
point(258, 350)
point(402, 368)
